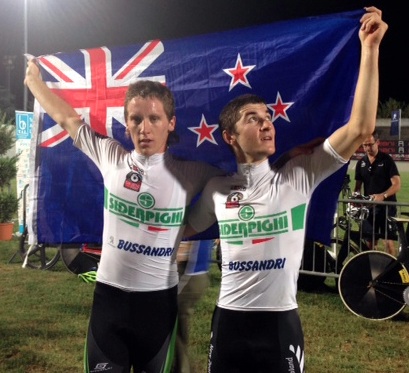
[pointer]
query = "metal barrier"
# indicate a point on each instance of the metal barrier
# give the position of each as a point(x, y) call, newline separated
point(347, 238)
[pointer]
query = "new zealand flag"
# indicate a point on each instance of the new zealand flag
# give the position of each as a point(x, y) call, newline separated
point(306, 69)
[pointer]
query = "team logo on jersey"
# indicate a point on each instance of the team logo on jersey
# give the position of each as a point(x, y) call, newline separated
point(134, 179)
point(143, 211)
point(247, 213)
point(261, 228)
point(233, 200)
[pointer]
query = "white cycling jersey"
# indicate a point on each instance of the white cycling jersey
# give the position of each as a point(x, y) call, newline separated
point(261, 213)
point(145, 201)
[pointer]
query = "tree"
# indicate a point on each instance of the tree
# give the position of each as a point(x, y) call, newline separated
point(385, 109)
point(6, 103)
point(8, 170)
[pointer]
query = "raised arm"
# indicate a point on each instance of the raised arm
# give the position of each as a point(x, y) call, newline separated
point(363, 115)
point(55, 107)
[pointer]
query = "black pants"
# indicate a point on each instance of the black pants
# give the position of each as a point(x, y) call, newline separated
point(256, 342)
point(131, 329)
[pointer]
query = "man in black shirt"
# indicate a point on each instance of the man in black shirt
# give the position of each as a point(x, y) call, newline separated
point(378, 174)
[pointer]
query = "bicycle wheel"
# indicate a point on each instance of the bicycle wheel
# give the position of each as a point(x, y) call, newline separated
point(78, 262)
point(371, 285)
point(37, 256)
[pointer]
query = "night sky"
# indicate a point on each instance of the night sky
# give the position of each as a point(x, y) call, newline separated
point(56, 25)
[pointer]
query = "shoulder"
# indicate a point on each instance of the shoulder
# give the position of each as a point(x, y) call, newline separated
point(385, 157)
point(87, 138)
point(85, 130)
point(225, 183)
point(186, 165)
point(361, 161)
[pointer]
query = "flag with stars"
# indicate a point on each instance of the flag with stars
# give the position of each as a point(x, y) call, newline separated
point(306, 69)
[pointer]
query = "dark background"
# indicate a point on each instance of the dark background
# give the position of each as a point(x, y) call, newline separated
point(58, 25)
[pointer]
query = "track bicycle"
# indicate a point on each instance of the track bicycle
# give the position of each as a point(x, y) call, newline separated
point(82, 258)
point(35, 255)
point(352, 232)
point(374, 284)
point(321, 260)
point(349, 236)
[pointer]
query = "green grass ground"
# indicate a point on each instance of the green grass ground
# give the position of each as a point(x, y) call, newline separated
point(44, 317)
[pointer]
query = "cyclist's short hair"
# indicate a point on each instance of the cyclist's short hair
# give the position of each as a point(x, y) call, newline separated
point(230, 114)
point(150, 89)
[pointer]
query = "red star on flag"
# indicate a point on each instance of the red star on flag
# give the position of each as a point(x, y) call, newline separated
point(239, 73)
point(204, 132)
point(280, 108)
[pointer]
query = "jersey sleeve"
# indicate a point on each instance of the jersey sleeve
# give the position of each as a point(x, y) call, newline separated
point(304, 173)
point(202, 214)
point(207, 172)
point(100, 149)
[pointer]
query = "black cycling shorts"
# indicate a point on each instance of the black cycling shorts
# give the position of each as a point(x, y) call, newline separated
point(131, 329)
point(256, 342)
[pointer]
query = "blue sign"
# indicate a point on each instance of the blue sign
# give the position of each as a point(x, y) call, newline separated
point(24, 124)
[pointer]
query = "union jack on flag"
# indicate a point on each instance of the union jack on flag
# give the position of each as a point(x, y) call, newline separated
point(306, 69)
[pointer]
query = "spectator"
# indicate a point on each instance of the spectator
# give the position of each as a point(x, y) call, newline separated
point(377, 174)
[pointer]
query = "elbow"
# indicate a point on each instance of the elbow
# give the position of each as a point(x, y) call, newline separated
point(68, 122)
point(362, 126)
point(366, 131)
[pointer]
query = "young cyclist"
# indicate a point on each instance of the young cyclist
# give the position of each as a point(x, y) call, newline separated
point(147, 192)
point(261, 215)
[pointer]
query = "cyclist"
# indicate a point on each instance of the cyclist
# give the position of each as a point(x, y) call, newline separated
point(134, 312)
point(261, 215)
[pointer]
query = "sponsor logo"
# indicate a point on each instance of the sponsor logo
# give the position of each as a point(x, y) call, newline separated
point(144, 211)
point(101, 367)
point(257, 265)
point(134, 179)
point(137, 248)
point(209, 359)
point(233, 200)
point(248, 225)
point(296, 361)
